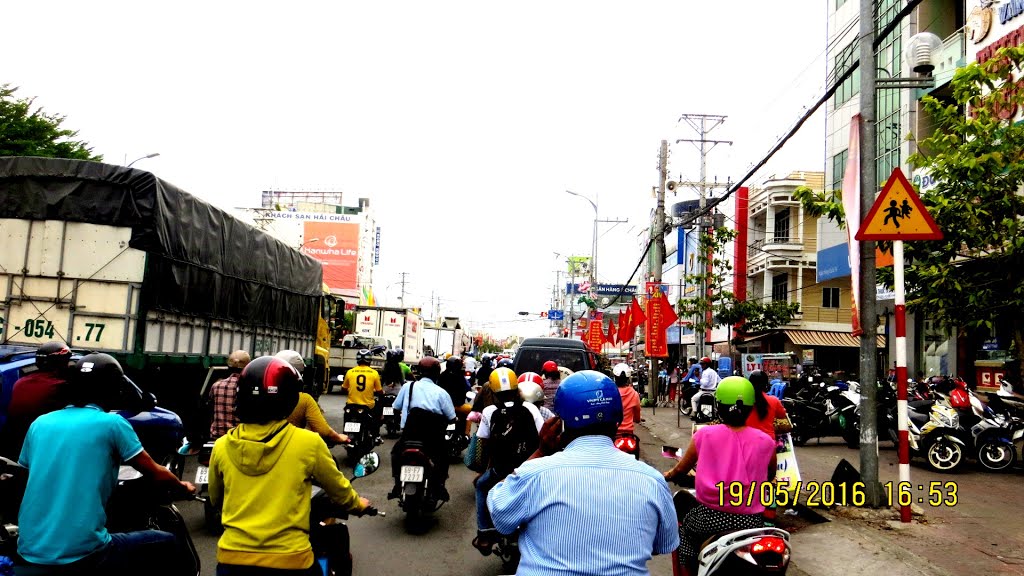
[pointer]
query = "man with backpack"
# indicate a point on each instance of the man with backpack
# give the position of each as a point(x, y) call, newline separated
point(510, 431)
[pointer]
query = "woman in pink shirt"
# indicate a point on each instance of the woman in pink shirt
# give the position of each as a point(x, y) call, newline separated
point(630, 398)
point(732, 460)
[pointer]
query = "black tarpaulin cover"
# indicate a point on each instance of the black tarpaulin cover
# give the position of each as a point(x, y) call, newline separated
point(201, 260)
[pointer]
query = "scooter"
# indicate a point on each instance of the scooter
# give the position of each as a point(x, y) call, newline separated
point(752, 552)
point(628, 443)
point(358, 427)
point(455, 439)
point(821, 410)
point(328, 532)
point(211, 516)
point(415, 474)
point(706, 410)
point(392, 421)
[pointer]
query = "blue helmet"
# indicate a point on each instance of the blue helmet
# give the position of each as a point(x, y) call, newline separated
point(588, 397)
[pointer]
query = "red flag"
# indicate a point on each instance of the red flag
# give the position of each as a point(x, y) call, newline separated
point(660, 316)
point(625, 333)
point(636, 315)
point(668, 314)
point(612, 332)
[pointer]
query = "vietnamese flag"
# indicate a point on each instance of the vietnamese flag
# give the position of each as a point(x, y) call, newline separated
point(624, 330)
point(668, 314)
point(612, 332)
point(636, 315)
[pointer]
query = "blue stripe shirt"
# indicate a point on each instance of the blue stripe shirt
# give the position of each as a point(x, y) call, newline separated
point(590, 509)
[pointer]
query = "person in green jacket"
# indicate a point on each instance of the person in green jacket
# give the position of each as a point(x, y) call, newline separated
point(261, 475)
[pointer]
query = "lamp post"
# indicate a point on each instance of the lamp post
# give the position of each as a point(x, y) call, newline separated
point(593, 247)
point(147, 156)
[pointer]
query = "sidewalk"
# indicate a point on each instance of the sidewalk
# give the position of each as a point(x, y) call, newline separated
point(862, 542)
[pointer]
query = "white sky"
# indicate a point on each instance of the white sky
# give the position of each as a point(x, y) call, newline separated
point(464, 122)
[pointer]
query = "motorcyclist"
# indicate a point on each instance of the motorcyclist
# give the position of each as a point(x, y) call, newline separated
point(630, 398)
point(307, 413)
point(394, 375)
point(363, 386)
point(426, 411)
point(552, 379)
point(72, 456)
point(731, 453)
point(35, 394)
point(532, 391)
point(709, 380)
point(510, 431)
point(483, 373)
point(261, 476)
point(222, 395)
point(454, 382)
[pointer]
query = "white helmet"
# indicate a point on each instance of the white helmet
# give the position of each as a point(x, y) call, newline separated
point(622, 368)
point(292, 357)
point(531, 392)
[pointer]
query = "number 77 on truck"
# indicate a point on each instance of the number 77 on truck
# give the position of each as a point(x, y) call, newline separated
point(113, 259)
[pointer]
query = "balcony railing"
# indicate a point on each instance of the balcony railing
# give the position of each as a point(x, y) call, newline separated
point(952, 55)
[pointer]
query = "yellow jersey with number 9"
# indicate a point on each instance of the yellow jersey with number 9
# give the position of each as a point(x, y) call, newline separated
point(361, 382)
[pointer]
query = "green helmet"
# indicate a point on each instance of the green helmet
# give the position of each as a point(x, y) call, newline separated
point(735, 389)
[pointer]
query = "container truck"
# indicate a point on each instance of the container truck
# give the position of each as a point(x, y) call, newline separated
point(443, 341)
point(112, 259)
point(378, 326)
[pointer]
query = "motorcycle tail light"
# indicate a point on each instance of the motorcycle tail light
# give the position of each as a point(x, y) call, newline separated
point(769, 544)
point(625, 444)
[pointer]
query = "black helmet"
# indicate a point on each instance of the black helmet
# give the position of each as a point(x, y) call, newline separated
point(505, 363)
point(96, 379)
point(363, 356)
point(268, 390)
point(759, 379)
point(454, 364)
point(396, 355)
point(430, 367)
point(53, 356)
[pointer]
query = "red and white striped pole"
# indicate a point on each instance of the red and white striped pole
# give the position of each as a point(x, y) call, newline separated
point(901, 372)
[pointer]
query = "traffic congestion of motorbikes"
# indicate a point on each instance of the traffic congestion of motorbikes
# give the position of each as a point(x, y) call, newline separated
point(949, 424)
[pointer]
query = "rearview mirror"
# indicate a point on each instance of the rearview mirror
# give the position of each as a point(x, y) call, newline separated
point(367, 465)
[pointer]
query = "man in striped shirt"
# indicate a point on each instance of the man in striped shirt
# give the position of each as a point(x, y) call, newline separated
point(589, 508)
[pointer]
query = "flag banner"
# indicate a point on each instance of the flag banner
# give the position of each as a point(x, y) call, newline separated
point(595, 336)
point(659, 317)
point(851, 206)
point(613, 332)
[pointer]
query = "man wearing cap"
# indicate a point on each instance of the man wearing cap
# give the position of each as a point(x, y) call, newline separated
point(709, 380)
point(222, 395)
point(618, 509)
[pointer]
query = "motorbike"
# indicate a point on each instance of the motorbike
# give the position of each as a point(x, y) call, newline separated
point(392, 421)
point(455, 439)
point(820, 410)
point(690, 389)
point(706, 409)
point(359, 428)
point(751, 552)
point(416, 497)
point(628, 443)
point(1006, 401)
point(211, 516)
point(328, 532)
point(134, 505)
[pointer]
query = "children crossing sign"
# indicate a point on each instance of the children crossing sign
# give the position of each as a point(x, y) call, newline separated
point(898, 214)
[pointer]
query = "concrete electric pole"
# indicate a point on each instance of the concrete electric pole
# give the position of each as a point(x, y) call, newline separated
point(658, 251)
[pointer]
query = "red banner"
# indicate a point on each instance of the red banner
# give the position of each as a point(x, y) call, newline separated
point(595, 336)
point(336, 246)
point(612, 333)
point(659, 317)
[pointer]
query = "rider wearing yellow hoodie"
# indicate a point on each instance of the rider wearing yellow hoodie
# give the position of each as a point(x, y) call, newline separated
point(261, 471)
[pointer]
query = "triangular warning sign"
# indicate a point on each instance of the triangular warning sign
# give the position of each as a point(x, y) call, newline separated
point(898, 214)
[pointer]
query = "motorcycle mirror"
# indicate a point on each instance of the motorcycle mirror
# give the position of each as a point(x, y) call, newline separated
point(367, 465)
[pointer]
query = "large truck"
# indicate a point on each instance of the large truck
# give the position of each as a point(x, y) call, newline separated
point(378, 326)
point(112, 259)
point(447, 338)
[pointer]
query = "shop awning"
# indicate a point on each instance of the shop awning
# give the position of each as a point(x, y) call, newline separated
point(821, 338)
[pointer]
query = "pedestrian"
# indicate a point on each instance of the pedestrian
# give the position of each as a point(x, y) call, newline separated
point(618, 510)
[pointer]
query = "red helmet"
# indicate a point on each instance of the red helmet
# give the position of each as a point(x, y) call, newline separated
point(531, 377)
point(549, 366)
point(705, 360)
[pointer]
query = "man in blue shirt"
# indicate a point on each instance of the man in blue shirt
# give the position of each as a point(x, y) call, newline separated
point(72, 456)
point(426, 410)
point(618, 510)
point(692, 377)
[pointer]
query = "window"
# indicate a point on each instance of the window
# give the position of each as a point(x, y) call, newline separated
point(780, 288)
point(844, 59)
point(782, 225)
point(830, 297)
point(887, 102)
point(839, 169)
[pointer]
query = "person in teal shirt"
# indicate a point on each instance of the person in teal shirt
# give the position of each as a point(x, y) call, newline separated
point(73, 456)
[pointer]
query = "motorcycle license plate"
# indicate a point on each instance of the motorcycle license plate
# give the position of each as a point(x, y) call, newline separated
point(353, 426)
point(451, 426)
point(389, 411)
point(202, 475)
point(412, 474)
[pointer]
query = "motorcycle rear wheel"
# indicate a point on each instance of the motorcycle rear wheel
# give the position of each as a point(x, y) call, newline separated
point(997, 455)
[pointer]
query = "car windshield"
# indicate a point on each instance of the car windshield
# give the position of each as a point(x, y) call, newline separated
point(532, 359)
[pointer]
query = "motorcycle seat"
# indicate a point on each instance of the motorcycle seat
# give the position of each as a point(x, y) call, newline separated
point(921, 405)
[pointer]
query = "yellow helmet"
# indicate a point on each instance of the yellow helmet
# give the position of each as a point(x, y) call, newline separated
point(503, 379)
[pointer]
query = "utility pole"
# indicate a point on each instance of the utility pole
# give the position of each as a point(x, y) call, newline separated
point(401, 299)
point(868, 319)
point(703, 124)
point(658, 254)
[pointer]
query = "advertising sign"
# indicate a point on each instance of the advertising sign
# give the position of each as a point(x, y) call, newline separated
point(579, 265)
point(392, 326)
point(602, 289)
point(367, 321)
point(788, 471)
point(336, 246)
point(689, 259)
point(768, 363)
point(376, 248)
point(660, 317)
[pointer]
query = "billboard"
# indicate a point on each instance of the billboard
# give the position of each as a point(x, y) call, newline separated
point(579, 265)
point(336, 246)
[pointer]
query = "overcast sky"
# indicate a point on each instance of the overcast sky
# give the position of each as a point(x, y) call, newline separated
point(464, 122)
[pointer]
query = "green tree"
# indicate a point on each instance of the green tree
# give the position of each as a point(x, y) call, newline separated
point(713, 267)
point(29, 131)
point(975, 274)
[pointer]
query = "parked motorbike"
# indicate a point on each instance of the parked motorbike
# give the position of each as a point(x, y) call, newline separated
point(628, 443)
point(752, 552)
point(359, 428)
point(822, 410)
point(392, 420)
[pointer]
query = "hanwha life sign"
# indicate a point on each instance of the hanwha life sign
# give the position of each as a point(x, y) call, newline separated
point(337, 249)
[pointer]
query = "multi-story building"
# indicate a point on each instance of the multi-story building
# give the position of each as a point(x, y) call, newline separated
point(898, 113)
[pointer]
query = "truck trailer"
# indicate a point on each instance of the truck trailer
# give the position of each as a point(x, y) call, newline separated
point(112, 259)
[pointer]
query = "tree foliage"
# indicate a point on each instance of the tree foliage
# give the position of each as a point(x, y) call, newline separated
point(713, 267)
point(29, 131)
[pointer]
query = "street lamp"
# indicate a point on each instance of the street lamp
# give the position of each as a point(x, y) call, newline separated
point(593, 248)
point(153, 155)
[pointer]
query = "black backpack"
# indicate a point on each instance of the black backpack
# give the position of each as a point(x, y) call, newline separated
point(513, 437)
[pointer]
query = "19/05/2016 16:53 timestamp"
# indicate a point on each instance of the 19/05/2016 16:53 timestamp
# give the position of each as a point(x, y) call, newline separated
point(828, 494)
